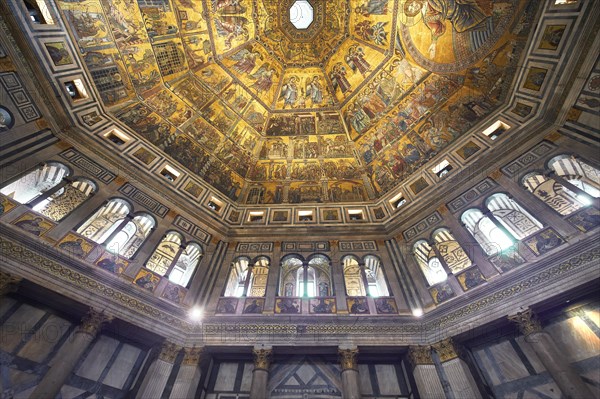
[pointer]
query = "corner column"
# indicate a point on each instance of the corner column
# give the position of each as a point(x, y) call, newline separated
point(426, 376)
point(260, 374)
point(157, 375)
point(455, 370)
point(348, 361)
point(554, 361)
point(69, 355)
point(189, 375)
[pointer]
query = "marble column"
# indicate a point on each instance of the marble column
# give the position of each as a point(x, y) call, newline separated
point(8, 283)
point(69, 355)
point(260, 375)
point(457, 373)
point(550, 355)
point(159, 371)
point(426, 376)
point(189, 375)
point(350, 385)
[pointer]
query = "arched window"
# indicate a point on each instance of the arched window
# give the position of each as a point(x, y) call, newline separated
point(512, 216)
point(353, 278)
point(35, 183)
point(490, 237)
point(428, 261)
point(248, 279)
point(105, 220)
point(308, 279)
point(555, 195)
point(64, 201)
point(375, 277)
point(165, 253)
point(454, 255)
point(578, 173)
point(186, 265)
point(131, 237)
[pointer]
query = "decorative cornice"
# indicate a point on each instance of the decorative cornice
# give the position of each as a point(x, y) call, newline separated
point(169, 351)
point(348, 359)
point(526, 321)
point(92, 322)
point(192, 355)
point(420, 355)
point(446, 350)
point(262, 358)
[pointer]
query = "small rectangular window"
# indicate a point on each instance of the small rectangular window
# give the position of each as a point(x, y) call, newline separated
point(305, 216)
point(215, 204)
point(39, 12)
point(398, 201)
point(356, 214)
point(442, 169)
point(559, 2)
point(117, 137)
point(255, 217)
point(496, 129)
point(169, 173)
point(76, 89)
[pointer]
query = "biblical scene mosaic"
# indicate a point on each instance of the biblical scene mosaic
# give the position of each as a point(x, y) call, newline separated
point(342, 111)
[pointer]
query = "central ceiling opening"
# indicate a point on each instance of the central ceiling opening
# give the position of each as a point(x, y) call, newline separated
point(301, 14)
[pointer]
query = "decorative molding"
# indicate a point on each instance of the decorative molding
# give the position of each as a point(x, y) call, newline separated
point(422, 226)
point(525, 160)
point(262, 358)
point(445, 349)
point(18, 94)
point(130, 191)
point(169, 351)
point(192, 229)
point(192, 355)
point(526, 321)
point(462, 201)
point(254, 247)
point(348, 359)
point(349, 246)
point(92, 322)
point(86, 164)
point(420, 355)
point(305, 246)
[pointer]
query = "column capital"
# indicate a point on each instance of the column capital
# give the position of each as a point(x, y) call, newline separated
point(446, 349)
point(192, 355)
point(420, 355)
point(169, 351)
point(348, 359)
point(92, 322)
point(8, 283)
point(262, 358)
point(526, 321)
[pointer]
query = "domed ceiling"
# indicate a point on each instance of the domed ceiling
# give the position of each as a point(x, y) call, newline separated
point(341, 111)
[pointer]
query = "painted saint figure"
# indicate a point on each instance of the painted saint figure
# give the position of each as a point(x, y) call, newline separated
point(338, 77)
point(314, 91)
point(355, 58)
point(289, 92)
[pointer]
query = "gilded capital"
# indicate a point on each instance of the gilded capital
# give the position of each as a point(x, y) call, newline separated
point(92, 322)
point(191, 356)
point(262, 358)
point(348, 359)
point(169, 351)
point(446, 350)
point(526, 321)
point(8, 283)
point(420, 355)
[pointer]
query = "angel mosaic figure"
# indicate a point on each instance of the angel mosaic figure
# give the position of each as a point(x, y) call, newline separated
point(355, 58)
point(232, 27)
point(264, 78)
point(246, 60)
point(338, 78)
point(314, 90)
point(289, 92)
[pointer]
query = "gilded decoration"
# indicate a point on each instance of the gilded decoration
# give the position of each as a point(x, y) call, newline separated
point(341, 111)
point(348, 359)
point(93, 321)
point(169, 351)
point(8, 283)
point(526, 321)
point(446, 349)
point(192, 355)
point(420, 355)
point(262, 358)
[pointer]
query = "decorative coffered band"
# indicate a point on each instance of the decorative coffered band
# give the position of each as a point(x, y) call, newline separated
point(446, 350)
point(526, 321)
point(169, 351)
point(419, 355)
point(262, 358)
point(8, 283)
point(92, 322)
point(348, 359)
point(192, 355)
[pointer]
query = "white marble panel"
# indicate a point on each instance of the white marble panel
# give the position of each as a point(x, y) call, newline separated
point(428, 382)
point(122, 367)
point(97, 358)
point(5, 304)
point(364, 380)
point(247, 377)
point(387, 379)
point(17, 325)
point(226, 377)
point(45, 339)
point(575, 339)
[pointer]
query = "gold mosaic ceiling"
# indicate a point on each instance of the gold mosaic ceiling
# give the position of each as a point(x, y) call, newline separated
point(266, 113)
